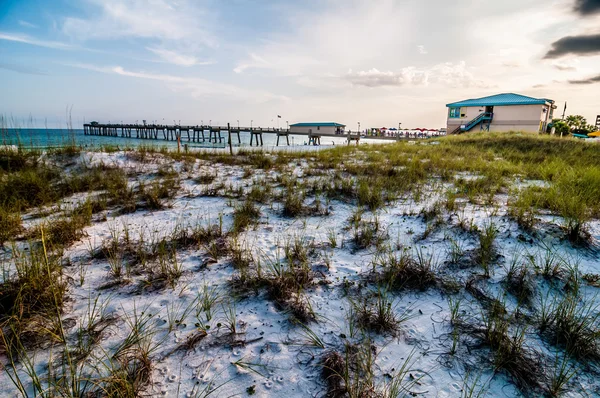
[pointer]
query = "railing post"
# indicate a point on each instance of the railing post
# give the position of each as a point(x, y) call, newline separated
point(229, 132)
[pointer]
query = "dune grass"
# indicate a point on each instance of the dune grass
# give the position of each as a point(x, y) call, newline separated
point(368, 182)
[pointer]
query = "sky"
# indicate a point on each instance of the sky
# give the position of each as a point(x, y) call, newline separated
point(377, 62)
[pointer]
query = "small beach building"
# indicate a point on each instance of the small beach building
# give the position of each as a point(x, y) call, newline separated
point(500, 112)
point(325, 128)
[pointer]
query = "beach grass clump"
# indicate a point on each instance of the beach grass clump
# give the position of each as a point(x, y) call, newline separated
point(370, 193)
point(366, 232)
point(574, 324)
point(293, 203)
point(68, 230)
point(284, 281)
point(561, 375)
point(378, 313)
point(205, 178)
point(549, 265)
point(10, 224)
point(13, 160)
point(29, 187)
point(93, 178)
point(487, 250)
point(241, 256)
point(485, 186)
point(570, 200)
point(572, 195)
point(165, 270)
point(202, 234)
point(260, 192)
point(260, 160)
point(298, 249)
point(349, 373)
point(154, 194)
point(129, 368)
point(340, 187)
point(32, 298)
point(244, 215)
point(519, 281)
point(91, 328)
point(403, 271)
point(523, 209)
point(509, 353)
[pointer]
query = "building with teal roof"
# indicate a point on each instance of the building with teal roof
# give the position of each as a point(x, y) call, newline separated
point(317, 128)
point(500, 112)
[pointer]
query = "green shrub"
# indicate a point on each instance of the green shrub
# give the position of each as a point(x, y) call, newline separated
point(28, 188)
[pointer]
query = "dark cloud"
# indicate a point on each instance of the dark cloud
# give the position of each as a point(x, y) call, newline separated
point(587, 7)
point(579, 45)
point(590, 80)
point(21, 69)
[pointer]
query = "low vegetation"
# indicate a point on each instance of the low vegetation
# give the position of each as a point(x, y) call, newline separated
point(195, 272)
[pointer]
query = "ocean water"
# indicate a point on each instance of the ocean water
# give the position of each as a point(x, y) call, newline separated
point(52, 138)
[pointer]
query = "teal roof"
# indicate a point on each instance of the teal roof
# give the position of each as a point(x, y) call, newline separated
point(315, 124)
point(501, 100)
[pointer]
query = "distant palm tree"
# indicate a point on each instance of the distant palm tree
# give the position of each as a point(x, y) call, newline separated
point(576, 122)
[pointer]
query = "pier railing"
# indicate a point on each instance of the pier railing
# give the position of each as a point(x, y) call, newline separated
point(212, 134)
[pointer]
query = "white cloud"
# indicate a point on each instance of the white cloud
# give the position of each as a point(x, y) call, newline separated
point(35, 42)
point(290, 64)
point(195, 86)
point(332, 37)
point(182, 25)
point(377, 78)
point(512, 64)
point(450, 74)
point(422, 49)
point(177, 58)
point(26, 24)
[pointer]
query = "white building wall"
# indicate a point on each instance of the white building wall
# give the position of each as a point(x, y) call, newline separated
point(313, 129)
point(506, 118)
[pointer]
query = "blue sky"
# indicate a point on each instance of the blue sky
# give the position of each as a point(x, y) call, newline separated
point(379, 62)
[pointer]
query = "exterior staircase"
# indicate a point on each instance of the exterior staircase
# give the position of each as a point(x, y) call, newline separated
point(483, 120)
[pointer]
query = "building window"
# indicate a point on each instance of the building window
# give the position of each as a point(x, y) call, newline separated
point(318, 127)
point(455, 113)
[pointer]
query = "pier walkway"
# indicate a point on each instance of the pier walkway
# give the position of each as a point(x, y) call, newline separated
point(210, 134)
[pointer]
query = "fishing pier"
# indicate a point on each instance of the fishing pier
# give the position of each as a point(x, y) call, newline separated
point(203, 134)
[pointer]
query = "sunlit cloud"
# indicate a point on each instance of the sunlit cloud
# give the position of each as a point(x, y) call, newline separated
point(454, 75)
point(178, 58)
